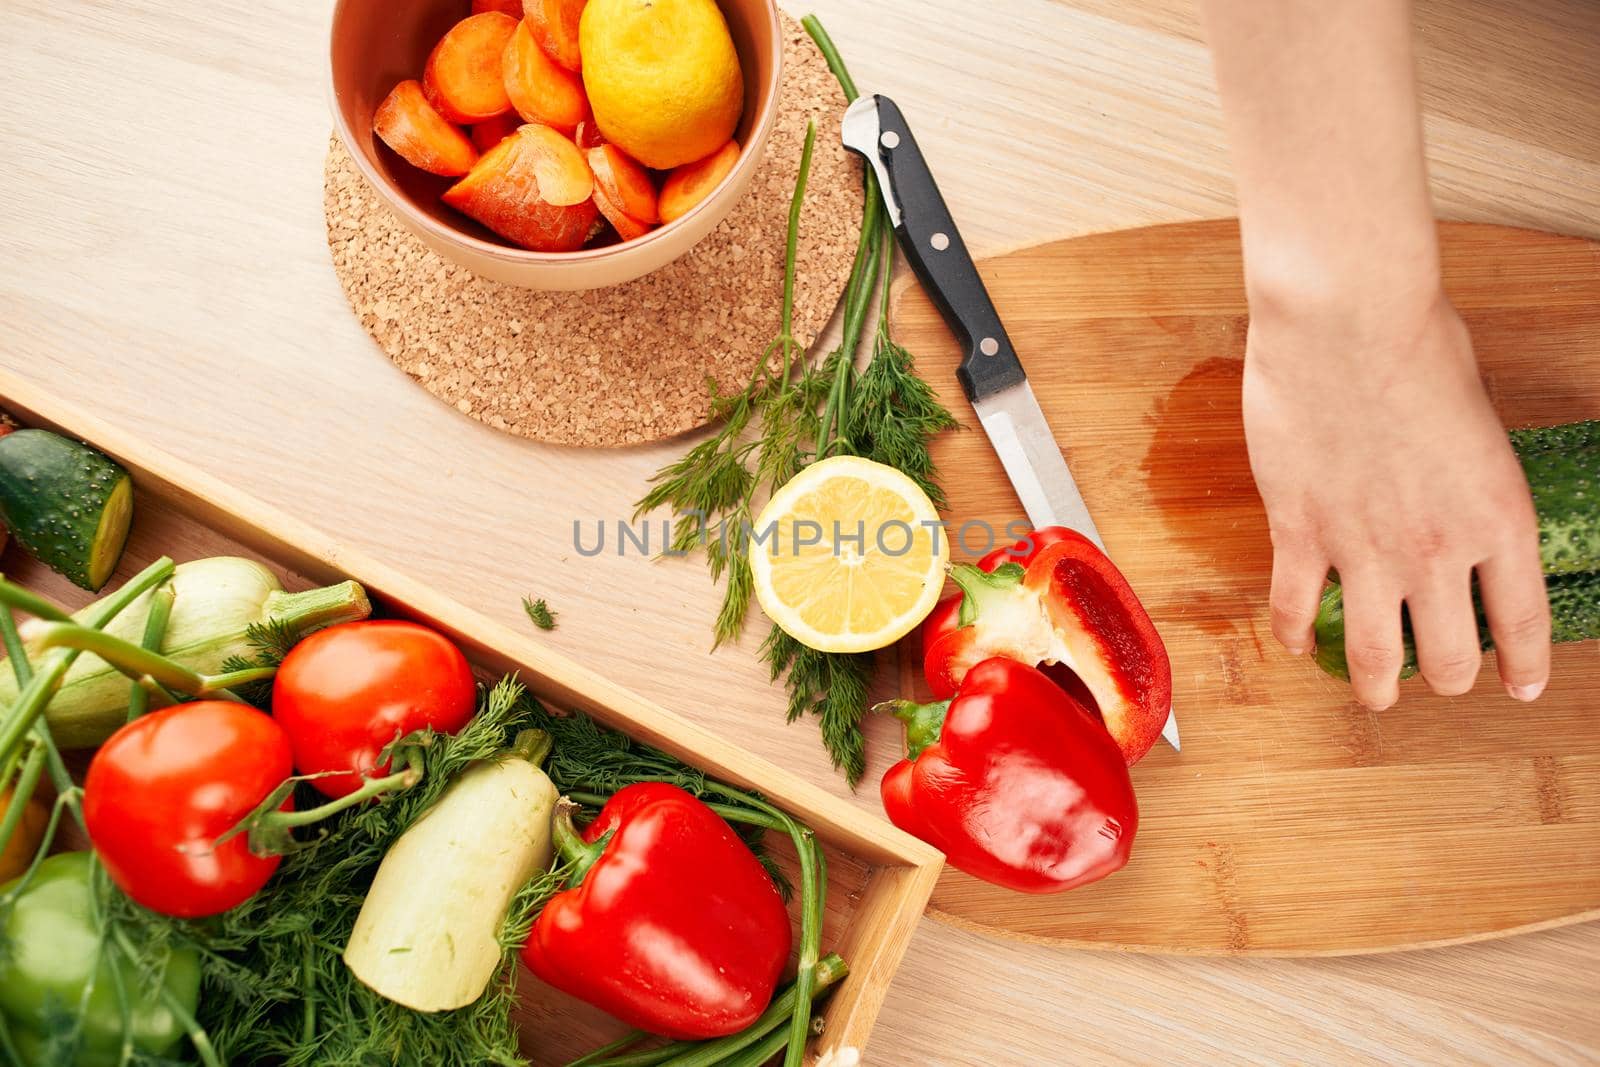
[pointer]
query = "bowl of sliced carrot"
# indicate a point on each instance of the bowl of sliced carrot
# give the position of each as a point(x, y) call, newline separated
point(557, 144)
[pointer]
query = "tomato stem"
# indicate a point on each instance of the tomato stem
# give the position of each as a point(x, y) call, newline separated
point(269, 828)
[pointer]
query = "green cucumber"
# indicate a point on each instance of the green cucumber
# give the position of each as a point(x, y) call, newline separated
point(67, 504)
point(1562, 464)
point(1563, 468)
point(1574, 616)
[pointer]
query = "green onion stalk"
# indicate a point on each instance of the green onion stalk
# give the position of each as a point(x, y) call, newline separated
point(24, 730)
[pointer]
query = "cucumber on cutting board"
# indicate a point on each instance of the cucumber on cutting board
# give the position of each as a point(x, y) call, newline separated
point(67, 504)
point(1562, 464)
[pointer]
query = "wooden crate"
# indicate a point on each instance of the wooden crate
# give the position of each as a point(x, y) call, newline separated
point(879, 878)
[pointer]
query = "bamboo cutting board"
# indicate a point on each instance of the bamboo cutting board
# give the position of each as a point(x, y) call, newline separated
point(1294, 822)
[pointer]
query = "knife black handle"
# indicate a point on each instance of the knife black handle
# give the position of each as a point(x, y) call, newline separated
point(940, 258)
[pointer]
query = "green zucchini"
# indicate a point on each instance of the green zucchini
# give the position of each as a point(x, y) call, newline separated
point(428, 935)
point(217, 603)
point(67, 504)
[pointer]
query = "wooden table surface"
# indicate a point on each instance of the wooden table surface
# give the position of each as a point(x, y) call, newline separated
point(164, 262)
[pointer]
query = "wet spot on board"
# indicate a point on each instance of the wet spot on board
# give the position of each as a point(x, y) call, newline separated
point(1197, 473)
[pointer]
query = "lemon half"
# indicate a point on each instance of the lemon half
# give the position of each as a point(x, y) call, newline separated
point(848, 556)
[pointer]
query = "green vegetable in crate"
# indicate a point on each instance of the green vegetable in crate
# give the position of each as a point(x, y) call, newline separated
point(67, 504)
point(224, 609)
point(428, 933)
point(1562, 464)
point(53, 949)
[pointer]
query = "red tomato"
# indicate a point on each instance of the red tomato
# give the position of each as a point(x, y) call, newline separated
point(346, 693)
point(164, 787)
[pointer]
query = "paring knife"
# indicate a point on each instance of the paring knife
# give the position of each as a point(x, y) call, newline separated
point(990, 374)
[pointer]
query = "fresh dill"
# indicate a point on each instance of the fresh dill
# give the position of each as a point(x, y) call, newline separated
point(539, 613)
point(269, 642)
point(793, 412)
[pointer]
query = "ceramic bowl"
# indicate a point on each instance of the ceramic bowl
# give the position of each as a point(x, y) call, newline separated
point(375, 44)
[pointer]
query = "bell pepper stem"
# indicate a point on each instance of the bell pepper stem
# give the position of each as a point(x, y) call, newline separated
point(980, 587)
point(923, 722)
point(155, 631)
point(571, 846)
point(270, 828)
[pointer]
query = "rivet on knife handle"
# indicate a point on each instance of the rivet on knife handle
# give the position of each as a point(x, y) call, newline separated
point(940, 258)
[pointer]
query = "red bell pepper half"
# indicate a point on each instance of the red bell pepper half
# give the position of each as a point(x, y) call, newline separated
point(1056, 599)
point(1014, 781)
point(671, 924)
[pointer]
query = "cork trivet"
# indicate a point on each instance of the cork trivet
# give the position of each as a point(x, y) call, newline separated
point(625, 365)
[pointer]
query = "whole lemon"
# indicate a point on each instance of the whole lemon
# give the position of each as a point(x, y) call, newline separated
point(663, 77)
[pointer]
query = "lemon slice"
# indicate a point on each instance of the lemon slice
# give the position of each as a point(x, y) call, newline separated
point(848, 556)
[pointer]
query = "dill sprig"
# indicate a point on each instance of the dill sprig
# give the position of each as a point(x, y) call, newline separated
point(793, 412)
point(269, 642)
point(539, 613)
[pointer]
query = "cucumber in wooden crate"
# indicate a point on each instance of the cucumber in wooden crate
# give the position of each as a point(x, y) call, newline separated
point(67, 504)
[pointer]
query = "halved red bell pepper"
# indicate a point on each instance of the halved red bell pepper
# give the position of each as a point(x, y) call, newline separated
point(1014, 781)
point(672, 925)
point(1059, 600)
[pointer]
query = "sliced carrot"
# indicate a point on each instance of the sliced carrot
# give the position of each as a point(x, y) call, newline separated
point(555, 27)
point(407, 123)
point(485, 135)
point(691, 183)
point(625, 182)
point(505, 7)
point(588, 134)
point(527, 189)
point(463, 78)
point(626, 225)
point(539, 88)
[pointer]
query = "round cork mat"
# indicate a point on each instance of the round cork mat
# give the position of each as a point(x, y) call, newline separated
point(630, 364)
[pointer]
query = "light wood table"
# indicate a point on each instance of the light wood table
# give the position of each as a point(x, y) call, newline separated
point(163, 261)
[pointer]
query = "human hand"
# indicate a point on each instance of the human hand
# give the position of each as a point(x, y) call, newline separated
point(1377, 454)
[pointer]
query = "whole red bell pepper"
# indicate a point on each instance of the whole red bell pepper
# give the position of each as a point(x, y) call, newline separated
point(1055, 599)
point(1014, 781)
point(671, 924)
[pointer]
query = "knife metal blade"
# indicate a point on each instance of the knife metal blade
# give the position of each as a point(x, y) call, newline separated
point(991, 374)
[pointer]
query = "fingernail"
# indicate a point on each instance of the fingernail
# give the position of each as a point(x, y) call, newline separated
point(1298, 650)
point(1526, 692)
